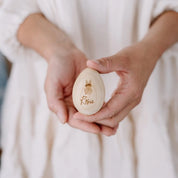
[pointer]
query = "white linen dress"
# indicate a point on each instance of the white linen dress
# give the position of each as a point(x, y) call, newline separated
point(34, 142)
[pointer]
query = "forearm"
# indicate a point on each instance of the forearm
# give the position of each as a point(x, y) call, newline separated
point(162, 34)
point(38, 33)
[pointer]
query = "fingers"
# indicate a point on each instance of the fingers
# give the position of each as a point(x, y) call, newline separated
point(85, 126)
point(54, 95)
point(113, 107)
point(107, 131)
point(92, 127)
point(113, 122)
point(88, 126)
point(109, 126)
point(121, 98)
point(82, 125)
point(108, 64)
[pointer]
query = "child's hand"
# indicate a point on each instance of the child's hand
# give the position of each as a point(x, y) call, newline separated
point(134, 66)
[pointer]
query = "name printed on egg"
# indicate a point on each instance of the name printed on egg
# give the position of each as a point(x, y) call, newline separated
point(85, 100)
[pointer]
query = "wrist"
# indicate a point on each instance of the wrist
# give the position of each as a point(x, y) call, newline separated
point(152, 50)
point(61, 51)
point(56, 49)
point(162, 34)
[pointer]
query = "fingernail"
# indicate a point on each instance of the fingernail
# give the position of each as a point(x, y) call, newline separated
point(62, 119)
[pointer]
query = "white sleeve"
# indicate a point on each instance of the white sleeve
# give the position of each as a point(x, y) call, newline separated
point(149, 10)
point(12, 14)
point(161, 6)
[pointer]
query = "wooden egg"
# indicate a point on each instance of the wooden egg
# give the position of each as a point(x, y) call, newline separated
point(88, 92)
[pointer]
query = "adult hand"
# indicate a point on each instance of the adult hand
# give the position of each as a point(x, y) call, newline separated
point(134, 66)
point(63, 69)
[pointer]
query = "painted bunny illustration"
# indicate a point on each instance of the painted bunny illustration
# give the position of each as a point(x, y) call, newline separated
point(88, 87)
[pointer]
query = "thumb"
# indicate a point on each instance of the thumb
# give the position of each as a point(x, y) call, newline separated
point(106, 64)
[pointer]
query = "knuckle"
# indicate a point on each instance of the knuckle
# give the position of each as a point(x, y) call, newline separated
point(45, 87)
point(117, 126)
point(113, 123)
point(110, 133)
point(72, 125)
point(111, 110)
point(138, 100)
point(106, 62)
point(114, 132)
point(51, 106)
point(136, 93)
